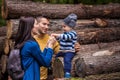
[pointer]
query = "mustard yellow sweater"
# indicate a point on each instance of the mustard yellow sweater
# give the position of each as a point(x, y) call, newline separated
point(42, 43)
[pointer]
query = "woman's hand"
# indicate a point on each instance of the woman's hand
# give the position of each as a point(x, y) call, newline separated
point(51, 41)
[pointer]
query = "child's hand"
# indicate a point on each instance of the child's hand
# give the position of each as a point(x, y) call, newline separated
point(55, 35)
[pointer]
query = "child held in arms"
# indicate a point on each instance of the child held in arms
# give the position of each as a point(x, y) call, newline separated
point(67, 41)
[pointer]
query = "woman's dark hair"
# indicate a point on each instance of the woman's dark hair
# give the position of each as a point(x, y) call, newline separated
point(26, 25)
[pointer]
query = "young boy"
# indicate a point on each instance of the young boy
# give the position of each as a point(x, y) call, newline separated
point(67, 41)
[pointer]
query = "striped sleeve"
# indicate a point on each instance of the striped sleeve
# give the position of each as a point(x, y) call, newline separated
point(69, 36)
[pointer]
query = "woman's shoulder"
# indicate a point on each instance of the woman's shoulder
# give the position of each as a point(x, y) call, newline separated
point(31, 43)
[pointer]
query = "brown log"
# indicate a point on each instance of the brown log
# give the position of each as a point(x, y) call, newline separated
point(89, 49)
point(12, 27)
point(9, 44)
point(107, 22)
point(55, 25)
point(108, 76)
point(3, 31)
point(3, 62)
point(111, 46)
point(58, 70)
point(99, 62)
point(85, 35)
point(2, 41)
point(15, 9)
point(96, 47)
point(89, 36)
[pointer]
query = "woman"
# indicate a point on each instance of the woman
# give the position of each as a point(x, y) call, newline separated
point(31, 55)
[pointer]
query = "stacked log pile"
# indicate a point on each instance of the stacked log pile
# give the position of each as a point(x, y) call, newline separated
point(98, 59)
point(2, 56)
point(98, 29)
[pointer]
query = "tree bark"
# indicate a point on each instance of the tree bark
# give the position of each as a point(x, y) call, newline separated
point(101, 49)
point(9, 44)
point(12, 27)
point(15, 9)
point(96, 47)
point(109, 76)
point(58, 69)
point(85, 36)
point(89, 36)
point(3, 62)
point(86, 29)
point(3, 31)
point(2, 44)
point(55, 24)
point(99, 62)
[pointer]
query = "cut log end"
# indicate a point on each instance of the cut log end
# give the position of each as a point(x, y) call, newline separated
point(101, 23)
point(9, 44)
point(80, 67)
point(99, 64)
point(58, 69)
point(4, 9)
point(6, 48)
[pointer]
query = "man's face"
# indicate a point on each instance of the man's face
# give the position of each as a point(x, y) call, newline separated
point(43, 26)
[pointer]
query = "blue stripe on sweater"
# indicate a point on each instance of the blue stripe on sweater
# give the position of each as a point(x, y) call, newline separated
point(67, 40)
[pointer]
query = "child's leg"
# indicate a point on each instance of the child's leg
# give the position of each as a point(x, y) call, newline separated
point(67, 61)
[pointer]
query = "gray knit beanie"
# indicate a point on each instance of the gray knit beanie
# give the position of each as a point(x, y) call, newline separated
point(70, 20)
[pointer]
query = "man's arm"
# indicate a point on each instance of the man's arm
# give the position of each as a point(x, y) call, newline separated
point(56, 47)
point(77, 47)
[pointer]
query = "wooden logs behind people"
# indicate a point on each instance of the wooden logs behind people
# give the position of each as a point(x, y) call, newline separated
point(86, 35)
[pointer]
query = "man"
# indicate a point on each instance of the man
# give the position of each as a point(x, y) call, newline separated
point(41, 29)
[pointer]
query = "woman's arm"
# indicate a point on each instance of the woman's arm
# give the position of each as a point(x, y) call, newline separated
point(47, 53)
point(31, 50)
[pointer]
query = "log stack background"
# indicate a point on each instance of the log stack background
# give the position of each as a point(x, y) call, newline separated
point(98, 29)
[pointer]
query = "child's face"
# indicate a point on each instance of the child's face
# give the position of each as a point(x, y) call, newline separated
point(66, 28)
